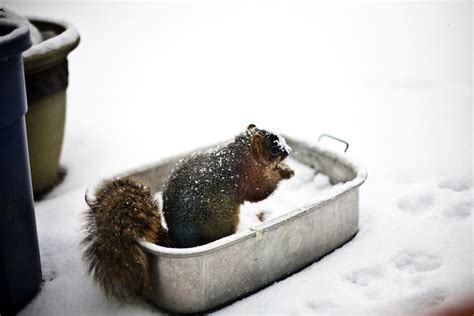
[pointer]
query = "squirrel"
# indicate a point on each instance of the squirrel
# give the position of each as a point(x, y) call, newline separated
point(201, 201)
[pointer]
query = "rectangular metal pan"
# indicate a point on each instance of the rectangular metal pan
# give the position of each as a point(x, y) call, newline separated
point(202, 278)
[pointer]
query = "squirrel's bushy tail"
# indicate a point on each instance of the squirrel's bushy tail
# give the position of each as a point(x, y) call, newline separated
point(124, 212)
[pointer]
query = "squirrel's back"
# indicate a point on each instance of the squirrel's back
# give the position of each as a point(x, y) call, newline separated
point(200, 199)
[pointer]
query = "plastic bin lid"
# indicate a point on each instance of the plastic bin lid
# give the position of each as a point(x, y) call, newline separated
point(14, 35)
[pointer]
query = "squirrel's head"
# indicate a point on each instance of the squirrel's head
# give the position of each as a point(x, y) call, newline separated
point(267, 147)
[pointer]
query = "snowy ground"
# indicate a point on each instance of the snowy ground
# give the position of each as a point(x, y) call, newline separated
point(152, 80)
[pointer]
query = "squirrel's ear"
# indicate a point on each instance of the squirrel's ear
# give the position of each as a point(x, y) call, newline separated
point(256, 138)
point(256, 145)
point(255, 142)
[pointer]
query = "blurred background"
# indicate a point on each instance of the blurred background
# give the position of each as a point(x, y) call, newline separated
point(150, 80)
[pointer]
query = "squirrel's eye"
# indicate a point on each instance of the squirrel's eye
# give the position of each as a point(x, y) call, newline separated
point(275, 151)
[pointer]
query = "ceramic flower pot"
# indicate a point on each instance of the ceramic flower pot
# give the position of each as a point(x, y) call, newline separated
point(46, 76)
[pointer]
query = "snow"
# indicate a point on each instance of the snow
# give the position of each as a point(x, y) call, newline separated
point(151, 81)
point(281, 142)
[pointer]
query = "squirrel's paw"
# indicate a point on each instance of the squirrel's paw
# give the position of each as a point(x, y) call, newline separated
point(285, 171)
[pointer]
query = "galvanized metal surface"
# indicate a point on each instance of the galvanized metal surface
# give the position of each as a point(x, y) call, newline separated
point(202, 278)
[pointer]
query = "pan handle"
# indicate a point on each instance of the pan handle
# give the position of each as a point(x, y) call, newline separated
point(334, 138)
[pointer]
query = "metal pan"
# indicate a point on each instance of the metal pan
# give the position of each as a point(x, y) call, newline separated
point(196, 279)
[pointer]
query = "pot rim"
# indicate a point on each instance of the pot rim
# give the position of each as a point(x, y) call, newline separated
point(53, 50)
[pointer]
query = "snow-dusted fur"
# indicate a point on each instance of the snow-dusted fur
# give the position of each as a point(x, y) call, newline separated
point(202, 198)
point(125, 211)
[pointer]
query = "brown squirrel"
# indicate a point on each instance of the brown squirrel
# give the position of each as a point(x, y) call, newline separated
point(201, 202)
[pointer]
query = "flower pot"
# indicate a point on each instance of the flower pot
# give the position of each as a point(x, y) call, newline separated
point(20, 266)
point(46, 75)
